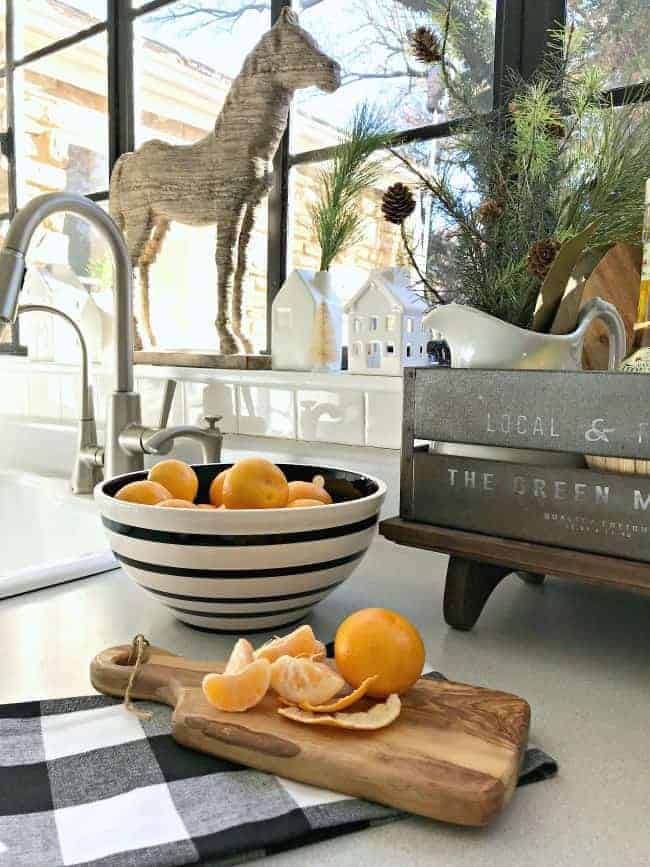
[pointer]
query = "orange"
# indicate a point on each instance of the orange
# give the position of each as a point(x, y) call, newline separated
point(178, 477)
point(216, 489)
point(299, 679)
point(240, 657)
point(308, 491)
point(382, 642)
point(145, 493)
point(175, 503)
point(304, 504)
point(255, 483)
point(300, 642)
point(240, 691)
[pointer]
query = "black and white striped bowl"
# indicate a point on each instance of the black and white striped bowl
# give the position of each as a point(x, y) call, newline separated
point(245, 570)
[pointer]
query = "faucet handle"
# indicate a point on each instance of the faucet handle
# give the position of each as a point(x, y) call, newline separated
point(168, 399)
point(212, 421)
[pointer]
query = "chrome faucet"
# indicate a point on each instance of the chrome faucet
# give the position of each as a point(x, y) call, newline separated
point(127, 440)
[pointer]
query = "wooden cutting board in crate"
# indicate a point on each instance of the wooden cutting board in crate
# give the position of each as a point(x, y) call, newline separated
point(453, 754)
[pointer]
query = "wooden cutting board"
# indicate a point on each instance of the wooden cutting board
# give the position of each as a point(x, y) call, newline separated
point(453, 754)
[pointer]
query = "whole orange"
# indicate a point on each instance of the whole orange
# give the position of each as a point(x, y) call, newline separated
point(308, 491)
point(378, 641)
point(144, 492)
point(216, 488)
point(255, 483)
point(178, 477)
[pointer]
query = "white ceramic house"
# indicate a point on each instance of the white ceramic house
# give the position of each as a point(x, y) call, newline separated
point(304, 336)
point(385, 330)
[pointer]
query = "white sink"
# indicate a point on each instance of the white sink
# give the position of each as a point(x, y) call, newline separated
point(47, 534)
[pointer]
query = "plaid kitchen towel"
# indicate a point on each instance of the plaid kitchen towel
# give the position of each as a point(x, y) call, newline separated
point(84, 782)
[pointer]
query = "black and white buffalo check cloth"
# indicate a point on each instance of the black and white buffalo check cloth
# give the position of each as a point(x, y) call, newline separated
point(85, 782)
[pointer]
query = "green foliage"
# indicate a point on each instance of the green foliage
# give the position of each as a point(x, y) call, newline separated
point(556, 158)
point(336, 217)
point(101, 269)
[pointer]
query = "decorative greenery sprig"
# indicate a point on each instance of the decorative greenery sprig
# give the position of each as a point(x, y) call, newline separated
point(336, 216)
point(555, 159)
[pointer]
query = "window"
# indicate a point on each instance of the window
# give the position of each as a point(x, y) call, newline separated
point(390, 348)
point(373, 359)
point(83, 81)
point(374, 323)
point(408, 350)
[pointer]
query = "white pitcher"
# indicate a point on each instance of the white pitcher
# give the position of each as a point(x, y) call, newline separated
point(477, 339)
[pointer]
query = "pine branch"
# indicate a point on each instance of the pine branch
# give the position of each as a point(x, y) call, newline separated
point(409, 252)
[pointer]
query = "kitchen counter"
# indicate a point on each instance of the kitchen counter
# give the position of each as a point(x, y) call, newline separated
point(579, 654)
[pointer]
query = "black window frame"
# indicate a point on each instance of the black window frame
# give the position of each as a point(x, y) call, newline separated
point(521, 37)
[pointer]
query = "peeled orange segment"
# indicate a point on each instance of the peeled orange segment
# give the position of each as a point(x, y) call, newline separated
point(300, 679)
point(300, 642)
point(319, 481)
point(341, 703)
point(241, 691)
point(241, 656)
point(378, 717)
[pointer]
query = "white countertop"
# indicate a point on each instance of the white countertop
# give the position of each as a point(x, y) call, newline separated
point(579, 654)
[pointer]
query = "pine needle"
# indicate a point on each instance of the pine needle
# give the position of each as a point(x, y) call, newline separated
point(336, 217)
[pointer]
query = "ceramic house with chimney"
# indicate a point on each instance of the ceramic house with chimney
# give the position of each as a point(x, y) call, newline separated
point(385, 330)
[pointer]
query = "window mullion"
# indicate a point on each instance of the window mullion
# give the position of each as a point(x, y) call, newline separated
point(121, 112)
point(278, 209)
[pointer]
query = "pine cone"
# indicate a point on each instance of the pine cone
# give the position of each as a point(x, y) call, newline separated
point(489, 211)
point(541, 256)
point(397, 203)
point(425, 45)
point(556, 129)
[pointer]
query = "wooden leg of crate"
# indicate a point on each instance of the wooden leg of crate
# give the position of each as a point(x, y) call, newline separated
point(532, 577)
point(467, 589)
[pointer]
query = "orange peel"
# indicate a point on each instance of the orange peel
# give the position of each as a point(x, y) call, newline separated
point(377, 717)
point(341, 703)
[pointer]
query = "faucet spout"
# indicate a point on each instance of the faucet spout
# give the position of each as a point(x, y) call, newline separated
point(12, 268)
point(210, 440)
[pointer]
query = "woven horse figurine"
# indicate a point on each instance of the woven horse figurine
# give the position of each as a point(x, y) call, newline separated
point(222, 177)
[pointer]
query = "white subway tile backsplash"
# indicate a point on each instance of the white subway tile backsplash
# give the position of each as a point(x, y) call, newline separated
point(267, 411)
point(14, 394)
point(44, 390)
point(331, 416)
point(151, 399)
point(384, 419)
point(215, 398)
point(70, 395)
point(336, 408)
